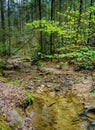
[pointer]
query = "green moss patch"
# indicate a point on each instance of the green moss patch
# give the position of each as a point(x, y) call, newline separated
point(3, 124)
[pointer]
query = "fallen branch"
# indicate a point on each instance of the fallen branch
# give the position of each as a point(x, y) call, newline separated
point(25, 43)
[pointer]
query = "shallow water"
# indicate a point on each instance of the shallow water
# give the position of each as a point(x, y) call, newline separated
point(55, 111)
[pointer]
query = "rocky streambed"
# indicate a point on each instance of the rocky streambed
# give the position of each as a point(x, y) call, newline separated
point(60, 95)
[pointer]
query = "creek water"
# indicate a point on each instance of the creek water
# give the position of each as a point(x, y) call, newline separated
point(55, 111)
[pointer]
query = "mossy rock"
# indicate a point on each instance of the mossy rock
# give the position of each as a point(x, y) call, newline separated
point(5, 80)
point(4, 126)
point(16, 118)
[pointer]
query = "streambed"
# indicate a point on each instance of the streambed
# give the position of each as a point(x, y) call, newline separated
point(59, 96)
point(55, 111)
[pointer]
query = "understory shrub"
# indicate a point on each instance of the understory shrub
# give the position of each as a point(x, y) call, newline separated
point(35, 53)
point(80, 56)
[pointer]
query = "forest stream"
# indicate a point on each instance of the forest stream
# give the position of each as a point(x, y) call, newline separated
point(60, 97)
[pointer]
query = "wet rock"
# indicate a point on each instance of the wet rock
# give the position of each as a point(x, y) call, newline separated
point(29, 84)
point(28, 87)
point(90, 113)
point(91, 126)
point(57, 89)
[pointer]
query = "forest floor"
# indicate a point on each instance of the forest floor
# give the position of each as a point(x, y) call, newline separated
point(44, 82)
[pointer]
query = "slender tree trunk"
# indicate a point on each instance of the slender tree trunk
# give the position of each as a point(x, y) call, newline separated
point(9, 28)
point(60, 9)
point(61, 17)
point(21, 16)
point(3, 26)
point(51, 35)
point(79, 19)
point(36, 10)
point(40, 17)
point(91, 3)
point(80, 12)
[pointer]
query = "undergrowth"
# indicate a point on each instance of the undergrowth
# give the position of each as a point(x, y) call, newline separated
point(81, 56)
point(28, 101)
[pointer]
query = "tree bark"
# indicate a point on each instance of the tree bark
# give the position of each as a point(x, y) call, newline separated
point(51, 35)
point(79, 19)
point(3, 27)
point(9, 28)
point(91, 3)
point(40, 18)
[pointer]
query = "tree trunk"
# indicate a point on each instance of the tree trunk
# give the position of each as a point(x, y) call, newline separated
point(61, 18)
point(9, 28)
point(51, 35)
point(80, 12)
point(60, 9)
point(91, 3)
point(79, 19)
point(40, 17)
point(3, 27)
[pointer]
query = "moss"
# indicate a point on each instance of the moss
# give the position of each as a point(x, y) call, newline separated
point(3, 124)
point(27, 58)
point(15, 82)
point(1, 72)
point(5, 80)
point(19, 112)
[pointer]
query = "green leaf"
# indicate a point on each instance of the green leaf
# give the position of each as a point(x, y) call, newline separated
point(92, 91)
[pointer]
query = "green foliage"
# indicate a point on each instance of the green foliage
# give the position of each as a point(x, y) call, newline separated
point(92, 91)
point(28, 101)
point(35, 53)
point(82, 57)
point(70, 29)
point(2, 63)
point(29, 98)
point(15, 82)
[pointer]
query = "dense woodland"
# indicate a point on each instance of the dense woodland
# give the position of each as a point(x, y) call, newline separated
point(59, 29)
